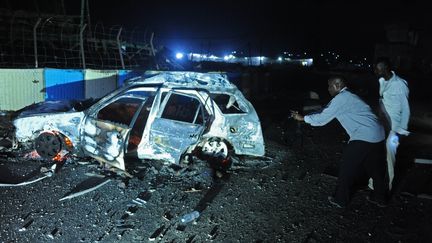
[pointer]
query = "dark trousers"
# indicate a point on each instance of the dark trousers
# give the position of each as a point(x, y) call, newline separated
point(359, 157)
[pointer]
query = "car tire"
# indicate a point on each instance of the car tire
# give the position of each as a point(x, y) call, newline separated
point(48, 145)
point(217, 152)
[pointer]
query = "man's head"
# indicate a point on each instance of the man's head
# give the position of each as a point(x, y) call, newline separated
point(382, 68)
point(335, 85)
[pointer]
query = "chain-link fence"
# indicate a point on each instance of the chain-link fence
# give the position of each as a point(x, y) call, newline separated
point(60, 41)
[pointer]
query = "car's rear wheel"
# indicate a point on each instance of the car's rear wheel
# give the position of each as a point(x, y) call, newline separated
point(48, 145)
point(217, 152)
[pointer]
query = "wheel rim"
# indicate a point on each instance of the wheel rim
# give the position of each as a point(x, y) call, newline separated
point(48, 145)
point(216, 149)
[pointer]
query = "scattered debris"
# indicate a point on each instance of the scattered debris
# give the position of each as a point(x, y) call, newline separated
point(131, 210)
point(53, 233)
point(142, 198)
point(424, 196)
point(190, 240)
point(86, 186)
point(213, 232)
point(43, 170)
point(156, 233)
point(26, 225)
point(181, 227)
point(423, 161)
point(193, 189)
point(94, 175)
point(24, 183)
point(167, 216)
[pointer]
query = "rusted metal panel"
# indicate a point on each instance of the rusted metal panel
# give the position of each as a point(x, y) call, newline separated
point(99, 82)
point(20, 87)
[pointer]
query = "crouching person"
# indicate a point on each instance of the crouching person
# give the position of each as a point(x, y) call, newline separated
point(365, 150)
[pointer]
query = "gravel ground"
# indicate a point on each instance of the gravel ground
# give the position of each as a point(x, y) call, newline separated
point(281, 201)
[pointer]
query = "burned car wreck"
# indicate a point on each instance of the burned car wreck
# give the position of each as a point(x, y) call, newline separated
point(166, 116)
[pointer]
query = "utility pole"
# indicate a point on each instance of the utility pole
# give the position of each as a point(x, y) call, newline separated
point(260, 53)
point(250, 54)
point(82, 13)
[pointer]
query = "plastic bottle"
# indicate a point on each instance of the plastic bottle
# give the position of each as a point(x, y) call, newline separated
point(190, 217)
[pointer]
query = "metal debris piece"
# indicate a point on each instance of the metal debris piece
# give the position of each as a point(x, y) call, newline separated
point(86, 186)
point(142, 198)
point(94, 175)
point(125, 226)
point(156, 233)
point(45, 171)
point(181, 227)
point(52, 234)
point(26, 225)
point(167, 216)
point(190, 240)
point(132, 210)
point(213, 232)
point(193, 189)
point(423, 161)
point(424, 196)
point(24, 183)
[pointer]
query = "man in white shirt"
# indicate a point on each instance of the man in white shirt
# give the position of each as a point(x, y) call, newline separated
point(365, 149)
point(394, 106)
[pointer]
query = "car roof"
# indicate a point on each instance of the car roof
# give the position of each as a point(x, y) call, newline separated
point(211, 81)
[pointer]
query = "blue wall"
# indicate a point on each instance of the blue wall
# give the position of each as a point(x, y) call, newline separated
point(63, 84)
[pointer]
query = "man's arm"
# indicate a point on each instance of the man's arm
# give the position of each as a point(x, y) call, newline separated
point(405, 115)
point(323, 117)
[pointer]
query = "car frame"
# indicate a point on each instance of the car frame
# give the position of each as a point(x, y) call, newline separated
point(163, 115)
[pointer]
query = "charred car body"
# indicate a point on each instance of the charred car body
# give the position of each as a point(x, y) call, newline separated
point(166, 116)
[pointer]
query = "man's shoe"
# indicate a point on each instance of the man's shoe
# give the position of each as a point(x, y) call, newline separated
point(372, 200)
point(333, 202)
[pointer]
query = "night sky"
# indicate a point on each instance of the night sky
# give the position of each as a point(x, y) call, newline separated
point(264, 27)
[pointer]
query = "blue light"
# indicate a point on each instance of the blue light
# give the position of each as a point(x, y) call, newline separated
point(179, 55)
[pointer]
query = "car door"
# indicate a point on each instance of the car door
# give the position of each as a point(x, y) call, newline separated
point(179, 124)
point(106, 130)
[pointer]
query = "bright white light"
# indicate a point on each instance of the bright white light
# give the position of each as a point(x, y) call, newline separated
point(226, 58)
point(179, 55)
point(196, 55)
point(280, 59)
